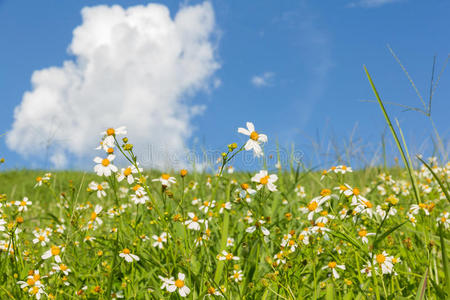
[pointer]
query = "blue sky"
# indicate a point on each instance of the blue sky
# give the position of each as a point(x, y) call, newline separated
point(308, 55)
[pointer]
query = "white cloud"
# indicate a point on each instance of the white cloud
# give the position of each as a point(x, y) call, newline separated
point(372, 3)
point(264, 79)
point(135, 67)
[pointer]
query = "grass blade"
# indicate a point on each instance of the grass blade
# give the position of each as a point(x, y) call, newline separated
point(394, 134)
point(444, 189)
point(423, 285)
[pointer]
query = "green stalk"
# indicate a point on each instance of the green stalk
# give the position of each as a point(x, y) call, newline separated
point(223, 241)
point(394, 134)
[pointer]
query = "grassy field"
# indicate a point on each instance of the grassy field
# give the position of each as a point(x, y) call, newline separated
point(339, 234)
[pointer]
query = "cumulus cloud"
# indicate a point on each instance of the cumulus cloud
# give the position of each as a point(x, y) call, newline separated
point(136, 67)
point(264, 79)
point(372, 3)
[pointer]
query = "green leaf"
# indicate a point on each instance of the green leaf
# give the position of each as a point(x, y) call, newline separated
point(423, 285)
point(444, 259)
point(330, 292)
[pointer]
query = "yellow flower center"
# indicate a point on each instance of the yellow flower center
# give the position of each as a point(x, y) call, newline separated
point(41, 238)
point(55, 250)
point(126, 251)
point(159, 239)
point(38, 179)
point(136, 187)
point(344, 167)
point(100, 187)
point(325, 192)
point(291, 243)
point(332, 264)
point(236, 275)
point(205, 203)
point(362, 233)
point(229, 256)
point(368, 204)
point(312, 205)
point(23, 203)
point(380, 258)
point(254, 135)
point(443, 219)
point(179, 283)
point(105, 162)
point(165, 176)
point(93, 216)
point(264, 180)
point(34, 290)
point(63, 267)
point(30, 281)
point(127, 171)
point(324, 213)
point(244, 186)
point(356, 191)
point(110, 150)
point(195, 219)
point(320, 224)
point(110, 131)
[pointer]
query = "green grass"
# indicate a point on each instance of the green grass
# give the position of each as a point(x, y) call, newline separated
point(300, 277)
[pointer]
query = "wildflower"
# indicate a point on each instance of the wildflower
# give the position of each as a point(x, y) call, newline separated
point(166, 180)
point(100, 188)
point(280, 258)
point(54, 252)
point(128, 174)
point(104, 166)
point(314, 206)
point(237, 276)
point(354, 194)
point(245, 190)
point(206, 205)
point(415, 208)
point(226, 256)
point(385, 262)
point(300, 191)
point(41, 236)
point(116, 295)
point(94, 219)
point(110, 134)
point(223, 206)
point(128, 256)
point(332, 265)
point(194, 222)
point(264, 179)
point(230, 242)
point(172, 285)
point(255, 139)
point(363, 234)
point(159, 240)
point(23, 205)
point(258, 224)
point(444, 219)
point(343, 169)
point(61, 268)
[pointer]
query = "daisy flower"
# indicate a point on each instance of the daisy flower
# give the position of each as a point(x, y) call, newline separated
point(206, 205)
point(258, 224)
point(226, 256)
point(100, 188)
point(264, 179)
point(95, 220)
point(159, 240)
point(363, 234)
point(128, 174)
point(166, 180)
point(179, 284)
point(384, 260)
point(223, 206)
point(110, 133)
point(343, 169)
point(128, 256)
point(237, 276)
point(246, 190)
point(230, 242)
point(332, 265)
point(194, 222)
point(23, 205)
point(41, 236)
point(444, 219)
point(61, 268)
point(255, 139)
point(54, 252)
point(104, 166)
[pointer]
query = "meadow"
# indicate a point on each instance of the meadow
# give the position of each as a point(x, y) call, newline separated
point(283, 233)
